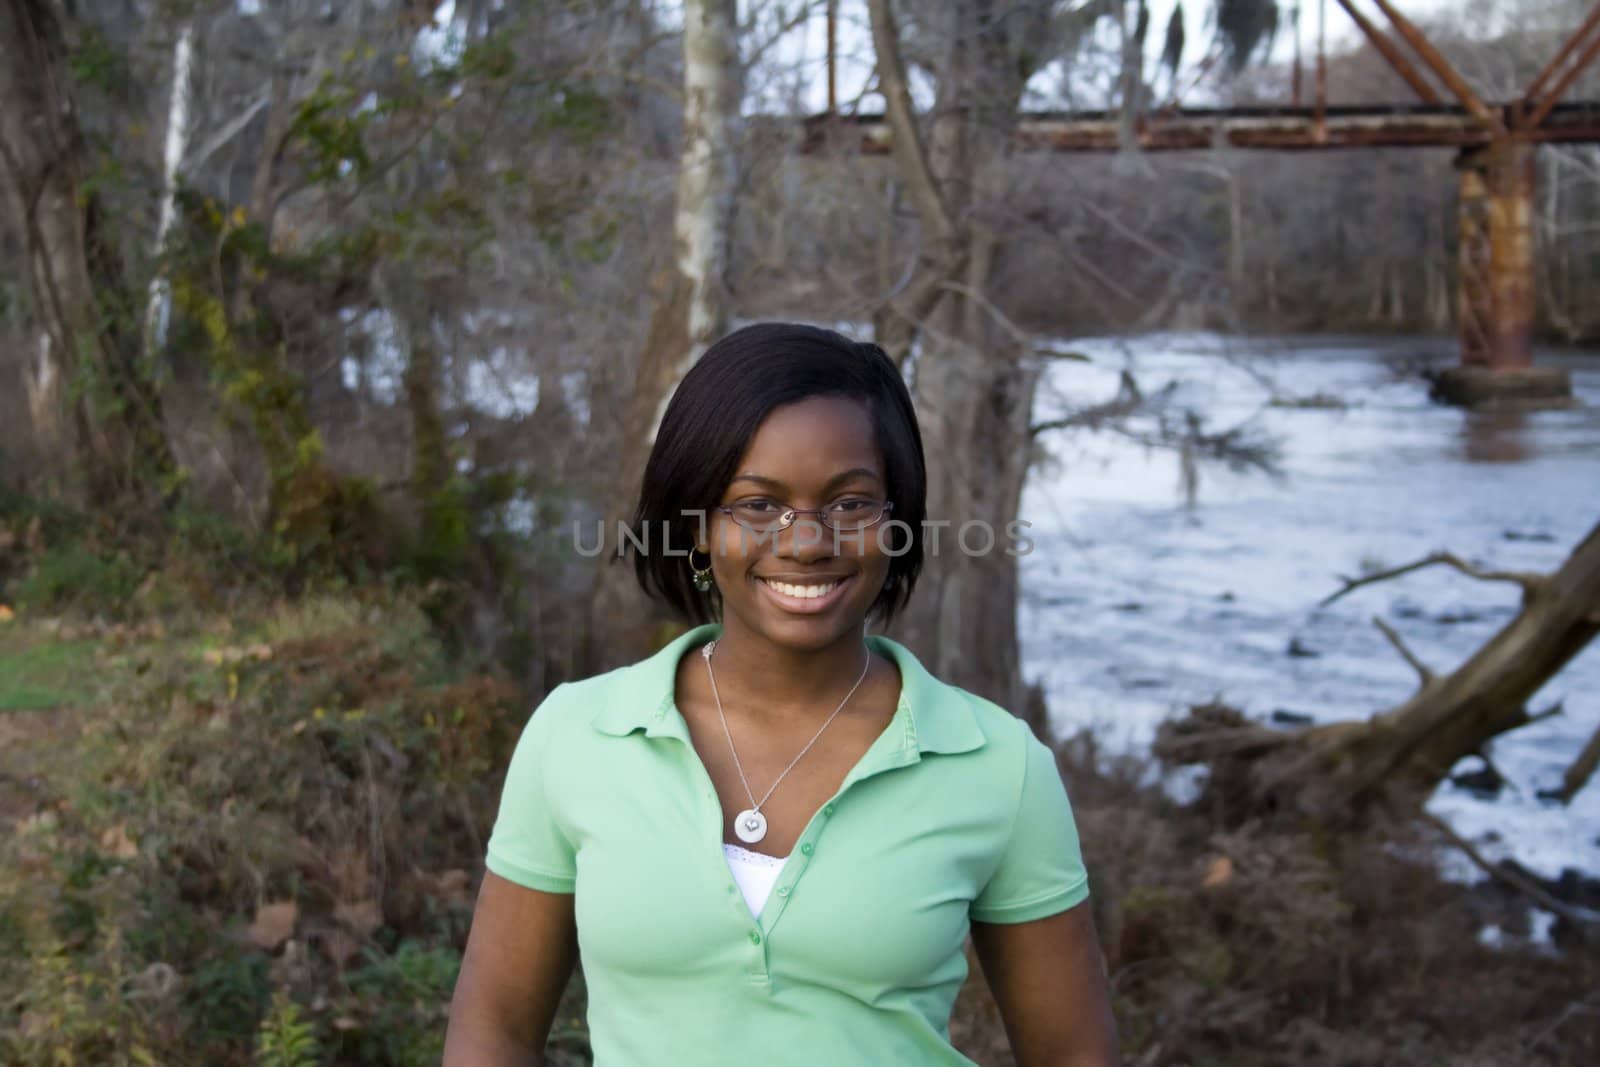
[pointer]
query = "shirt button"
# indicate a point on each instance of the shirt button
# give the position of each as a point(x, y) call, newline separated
point(783, 891)
point(828, 810)
point(755, 937)
point(806, 848)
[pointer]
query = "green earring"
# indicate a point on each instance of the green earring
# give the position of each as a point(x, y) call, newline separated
point(702, 575)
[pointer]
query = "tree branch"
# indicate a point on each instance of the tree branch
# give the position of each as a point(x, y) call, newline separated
point(1581, 771)
point(1579, 916)
point(1225, 741)
point(1110, 219)
point(1128, 401)
point(1530, 582)
point(759, 50)
point(1065, 356)
point(1017, 333)
point(910, 152)
point(1424, 672)
point(228, 132)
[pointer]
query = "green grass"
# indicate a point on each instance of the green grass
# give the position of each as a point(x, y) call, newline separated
point(37, 673)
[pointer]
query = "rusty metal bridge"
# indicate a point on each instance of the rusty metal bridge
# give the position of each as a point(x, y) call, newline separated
point(1276, 128)
point(1495, 143)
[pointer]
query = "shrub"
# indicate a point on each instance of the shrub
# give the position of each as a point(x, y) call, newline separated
point(260, 850)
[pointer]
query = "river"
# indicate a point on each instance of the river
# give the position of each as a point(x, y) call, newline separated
point(1136, 605)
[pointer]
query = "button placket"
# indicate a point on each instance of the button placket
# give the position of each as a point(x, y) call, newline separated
point(761, 972)
point(887, 753)
point(713, 807)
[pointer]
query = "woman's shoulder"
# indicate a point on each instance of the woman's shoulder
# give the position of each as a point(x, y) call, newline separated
point(1004, 730)
point(607, 702)
point(571, 701)
point(1006, 738)
point(955, 720)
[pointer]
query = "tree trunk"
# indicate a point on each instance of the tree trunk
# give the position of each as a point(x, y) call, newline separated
point(438, 496)
point(1436, 274)
point(690, 311)
point(974, 393)
point(435, 489)
point(158, 302)
point(1132, 79)
point(975, 377)
point(80, 299)
point(1553, 254)
point(1236, 262)
point(263, 181)
point(1340, 770)
point(1397, 296)
point(922, 168)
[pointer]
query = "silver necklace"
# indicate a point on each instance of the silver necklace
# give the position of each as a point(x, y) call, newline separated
point(750, 825)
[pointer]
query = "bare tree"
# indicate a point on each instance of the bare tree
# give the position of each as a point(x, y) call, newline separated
point(177, 138)
point(88, 332)
point(974, 372)
point(690, 306)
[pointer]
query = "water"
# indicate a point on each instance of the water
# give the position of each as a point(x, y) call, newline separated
point(1135, 606)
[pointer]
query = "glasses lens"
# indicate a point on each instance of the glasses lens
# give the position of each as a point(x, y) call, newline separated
point(851, 514)
point(757, 514)
point(854, 514)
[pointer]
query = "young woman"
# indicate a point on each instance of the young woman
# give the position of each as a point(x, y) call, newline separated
point(769, 840)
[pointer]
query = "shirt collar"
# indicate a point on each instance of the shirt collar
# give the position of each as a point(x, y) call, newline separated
point(937, 717)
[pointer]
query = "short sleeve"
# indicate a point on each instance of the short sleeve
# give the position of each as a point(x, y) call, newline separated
point(528, 845)
point(1041, 871)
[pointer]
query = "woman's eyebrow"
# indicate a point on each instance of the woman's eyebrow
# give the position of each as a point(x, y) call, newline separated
point(842, 476)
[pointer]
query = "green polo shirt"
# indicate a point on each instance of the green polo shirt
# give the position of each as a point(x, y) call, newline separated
point(956, 812)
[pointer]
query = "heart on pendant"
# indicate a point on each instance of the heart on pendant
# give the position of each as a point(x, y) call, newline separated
point(750, 825)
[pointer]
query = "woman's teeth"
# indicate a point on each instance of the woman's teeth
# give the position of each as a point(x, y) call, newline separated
point(807, 592)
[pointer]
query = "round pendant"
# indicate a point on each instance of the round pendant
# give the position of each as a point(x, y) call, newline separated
point(750, 825)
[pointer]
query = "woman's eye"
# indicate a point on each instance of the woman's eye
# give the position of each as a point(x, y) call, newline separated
point(755, 505)
point(852, 505)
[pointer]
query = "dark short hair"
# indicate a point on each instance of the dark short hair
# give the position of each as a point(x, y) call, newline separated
point(715, 412)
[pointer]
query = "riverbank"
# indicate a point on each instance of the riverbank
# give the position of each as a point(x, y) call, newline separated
point(1136, 606)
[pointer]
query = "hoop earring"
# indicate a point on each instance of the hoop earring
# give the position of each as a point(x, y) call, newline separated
point(702, 575)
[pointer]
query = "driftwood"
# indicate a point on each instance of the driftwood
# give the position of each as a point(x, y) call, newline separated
point(1584, 920)
point(1580, 772)
point(1339, 771)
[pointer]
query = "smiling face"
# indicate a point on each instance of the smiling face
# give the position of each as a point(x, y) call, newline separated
point(796, 587)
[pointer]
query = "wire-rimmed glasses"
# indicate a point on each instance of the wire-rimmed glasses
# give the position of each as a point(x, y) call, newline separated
point(849, 515)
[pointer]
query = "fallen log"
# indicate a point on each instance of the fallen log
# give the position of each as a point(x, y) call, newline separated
point(1340, 771)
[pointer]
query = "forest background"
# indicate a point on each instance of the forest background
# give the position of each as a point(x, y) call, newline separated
point(321, 324)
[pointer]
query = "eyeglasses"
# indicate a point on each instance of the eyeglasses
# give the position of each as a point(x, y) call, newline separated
point(845, 516)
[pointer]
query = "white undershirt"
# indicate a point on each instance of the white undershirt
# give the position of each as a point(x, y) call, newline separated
point(755, 873)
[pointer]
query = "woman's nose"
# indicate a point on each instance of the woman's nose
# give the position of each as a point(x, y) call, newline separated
point(806, 538)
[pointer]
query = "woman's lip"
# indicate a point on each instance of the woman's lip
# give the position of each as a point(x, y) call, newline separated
point(806, 605)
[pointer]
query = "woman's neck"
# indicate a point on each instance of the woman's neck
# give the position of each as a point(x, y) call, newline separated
point(784, 683)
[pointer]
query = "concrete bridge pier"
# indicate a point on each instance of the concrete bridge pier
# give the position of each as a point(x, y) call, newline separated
point(1495, 264)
